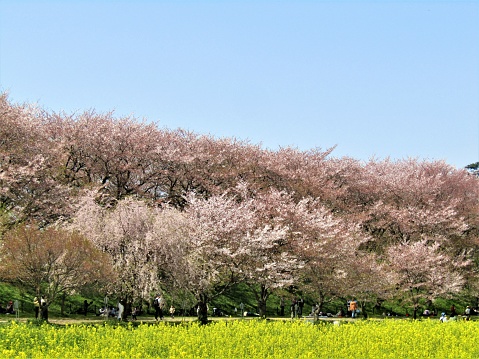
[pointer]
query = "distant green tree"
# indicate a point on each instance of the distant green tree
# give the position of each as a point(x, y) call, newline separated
point(473, 168)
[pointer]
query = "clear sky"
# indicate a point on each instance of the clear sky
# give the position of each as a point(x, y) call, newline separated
point(378, 79)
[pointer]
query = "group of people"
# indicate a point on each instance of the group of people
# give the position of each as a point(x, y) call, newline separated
point(160, 307)
point(108, 311)
point(297, 305)
point(122, 310)
point(453, 314)
point(116, 312)
point(316, 312)
point(9, 309)
point(159, 304)
point(41, 308)
point(468, 312)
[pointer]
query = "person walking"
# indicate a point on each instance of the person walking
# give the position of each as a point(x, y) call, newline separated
point(159, 304)
point(121, 309)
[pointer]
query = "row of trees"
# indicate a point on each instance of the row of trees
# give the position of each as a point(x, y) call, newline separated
point(192, 214)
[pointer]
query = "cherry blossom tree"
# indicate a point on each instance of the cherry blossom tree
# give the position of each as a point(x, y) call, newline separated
point(124, 233)
point(306, 215)
point(323, 242)
point(206, 248)
point(215, 245)
point(267, 265)
point(114, 154)
point(170, 232)
point(406, 200)
point(29, 186)
point(421, 270)
point(365, 279)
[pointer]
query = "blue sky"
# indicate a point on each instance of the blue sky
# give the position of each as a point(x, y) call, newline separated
point(378, 79)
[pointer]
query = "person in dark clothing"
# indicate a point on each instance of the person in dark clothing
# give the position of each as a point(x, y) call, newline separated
point(44, 309)
point(300, 306)
point(158, 304)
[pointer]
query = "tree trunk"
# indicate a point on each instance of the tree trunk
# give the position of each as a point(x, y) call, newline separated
point(203, 308)
point(320, 301)
point(62, 304)
point(362, 305)
point(262, 299)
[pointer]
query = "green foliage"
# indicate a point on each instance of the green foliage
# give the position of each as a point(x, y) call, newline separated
point(9, 292)
point(72, 304)
point(473, 168)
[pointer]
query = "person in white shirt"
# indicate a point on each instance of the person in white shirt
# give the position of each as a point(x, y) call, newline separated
point(443, 317)
point(121, 308)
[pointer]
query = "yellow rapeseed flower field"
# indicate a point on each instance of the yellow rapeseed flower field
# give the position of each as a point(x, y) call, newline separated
point(245, 339)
